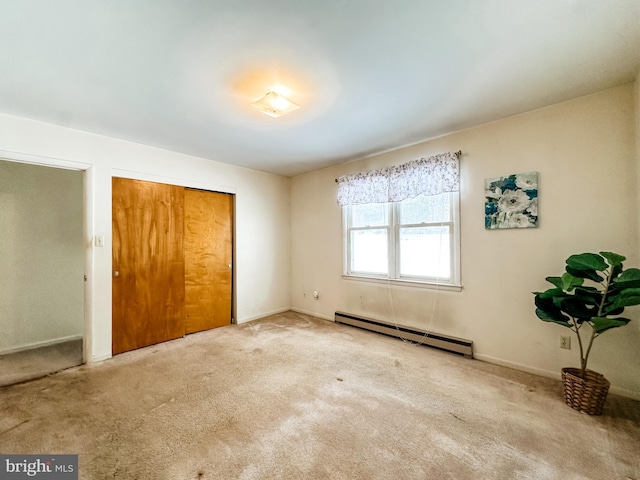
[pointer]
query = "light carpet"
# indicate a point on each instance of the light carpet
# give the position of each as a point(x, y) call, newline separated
point(296, 397)
point(37, 362)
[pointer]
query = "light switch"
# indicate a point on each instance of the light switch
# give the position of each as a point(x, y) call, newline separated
point(99, 241)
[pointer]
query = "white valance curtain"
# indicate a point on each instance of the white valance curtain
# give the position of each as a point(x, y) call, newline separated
point(426, 176)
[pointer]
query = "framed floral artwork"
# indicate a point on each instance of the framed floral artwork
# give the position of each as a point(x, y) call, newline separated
point(511, 201)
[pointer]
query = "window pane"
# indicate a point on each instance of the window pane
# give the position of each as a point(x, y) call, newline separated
point(425, 252)
point(369, 251)
point(369, 215)
point(425, 209)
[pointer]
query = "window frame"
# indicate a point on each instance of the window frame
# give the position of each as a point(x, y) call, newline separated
point(393, 255)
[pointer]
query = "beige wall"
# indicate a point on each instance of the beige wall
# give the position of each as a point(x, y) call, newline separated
point(41, 258)
point(289, 238)
point(262, 253)
point(585, 153)
point(637, 98)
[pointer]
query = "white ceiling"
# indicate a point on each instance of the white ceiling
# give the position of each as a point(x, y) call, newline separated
point(370, 75)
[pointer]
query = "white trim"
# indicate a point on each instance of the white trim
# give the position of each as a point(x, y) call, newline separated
point(313, 314)
point(42, 161)
point(625, 393)
point(262, 315)
point(446, 287)
point(100, 358)
point(181, 182)
point(346, 256)
point(44, 343)
point(456, 274)
point(517, 366)
point(547, 373)
point(88, 186)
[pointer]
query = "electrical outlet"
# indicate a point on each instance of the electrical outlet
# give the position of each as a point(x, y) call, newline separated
point(565, 342)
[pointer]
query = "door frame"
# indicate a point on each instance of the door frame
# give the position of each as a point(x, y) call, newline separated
point(90, 234)
point(87, 222)
point(212, 187)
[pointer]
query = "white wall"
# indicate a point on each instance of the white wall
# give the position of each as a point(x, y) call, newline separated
point(585, 153)
point(41, 258)
point(262, 251)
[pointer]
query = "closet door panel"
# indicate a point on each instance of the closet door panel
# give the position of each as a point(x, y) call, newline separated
point(208, 243)
point(148, 264)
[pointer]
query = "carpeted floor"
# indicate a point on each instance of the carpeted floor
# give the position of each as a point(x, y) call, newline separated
point(294, 397)
point(37, 362)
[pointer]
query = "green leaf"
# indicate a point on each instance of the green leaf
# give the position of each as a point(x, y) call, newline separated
point(602, 324)
point(552, 293)
point(590, 274)
point(627, 302)
point(612, 309)
point(613, 258)
point(548, 311)
point(551, 300)
point(593, 294)
point(545, 317)
point(578, 308)
point(617, 270)
point(625, 298)
point(630, 278)
point(624, 293)
point(556, 281)
point(587, 261)
point(569, 282)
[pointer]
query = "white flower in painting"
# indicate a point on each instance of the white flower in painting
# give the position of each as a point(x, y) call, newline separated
point(533, 207)
point(497, 193)
point(513, 201)
point(527, 181)
point(520, 220)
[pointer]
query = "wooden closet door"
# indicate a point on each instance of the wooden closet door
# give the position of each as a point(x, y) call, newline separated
point(208, 244)
point(148, 263)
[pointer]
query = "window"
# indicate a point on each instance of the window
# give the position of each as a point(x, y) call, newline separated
point(414, 240)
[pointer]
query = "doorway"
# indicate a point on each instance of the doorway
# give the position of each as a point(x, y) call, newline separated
point(42, 265)
point(172, 262)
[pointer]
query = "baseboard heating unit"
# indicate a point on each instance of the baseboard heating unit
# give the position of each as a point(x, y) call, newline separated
point(436, 340)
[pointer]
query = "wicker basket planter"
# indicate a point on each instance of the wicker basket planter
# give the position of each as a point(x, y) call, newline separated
point(587, 395)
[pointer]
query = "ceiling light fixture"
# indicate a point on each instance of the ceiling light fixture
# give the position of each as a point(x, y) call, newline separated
point(274, 105)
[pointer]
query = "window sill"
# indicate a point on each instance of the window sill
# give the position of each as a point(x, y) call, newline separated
point(445, 287)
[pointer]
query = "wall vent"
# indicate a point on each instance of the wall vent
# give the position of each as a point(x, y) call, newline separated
point(435, 340)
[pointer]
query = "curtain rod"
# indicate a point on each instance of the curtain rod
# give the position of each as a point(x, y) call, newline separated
point(458, 153)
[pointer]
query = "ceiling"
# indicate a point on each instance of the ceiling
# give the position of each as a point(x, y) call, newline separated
point(369, 75)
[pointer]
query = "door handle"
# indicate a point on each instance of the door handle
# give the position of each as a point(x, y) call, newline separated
point(116, 273)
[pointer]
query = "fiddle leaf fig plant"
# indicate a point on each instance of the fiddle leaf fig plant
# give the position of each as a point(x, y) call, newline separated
point(594, 290)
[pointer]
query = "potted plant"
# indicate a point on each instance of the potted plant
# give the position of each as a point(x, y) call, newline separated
point(594, 290)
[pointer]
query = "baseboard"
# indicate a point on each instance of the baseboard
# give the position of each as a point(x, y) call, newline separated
point(517, 366)
point(548, 373)
point(313, 314)
point(100, 358)
point(287, 309)
point(262, 315)
point(45, 343)
point(624, 393)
